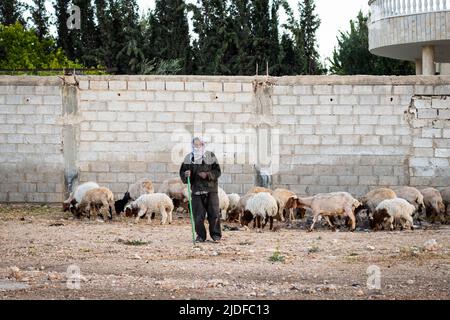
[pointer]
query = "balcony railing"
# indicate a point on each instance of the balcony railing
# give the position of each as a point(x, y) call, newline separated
point(382, 9)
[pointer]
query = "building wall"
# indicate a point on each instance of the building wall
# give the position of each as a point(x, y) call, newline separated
point(332, 133)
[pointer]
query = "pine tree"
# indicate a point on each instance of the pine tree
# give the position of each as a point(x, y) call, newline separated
point(65, 40)
point(170, 33)
point(40, 18)
point(11, 11)
point(288, 57)
point(352, 55)
point(212, 43)
point(309, 24)
point(261, 40)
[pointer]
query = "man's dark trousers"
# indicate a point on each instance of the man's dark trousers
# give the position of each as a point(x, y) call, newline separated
point(202, 204)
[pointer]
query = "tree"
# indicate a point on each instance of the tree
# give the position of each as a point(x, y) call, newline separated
point(309, 23)
point(40, 18)
point(352, 55)
point(11, 11)
point(213, 37)
point(65, 40)
point(169, 36)
point(261, 34)
point(288, 57)
point(24, 50)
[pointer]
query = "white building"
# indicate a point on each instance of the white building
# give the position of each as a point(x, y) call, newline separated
point(414, 30)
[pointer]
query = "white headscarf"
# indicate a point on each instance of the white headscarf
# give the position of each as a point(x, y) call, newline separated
point(198, 153)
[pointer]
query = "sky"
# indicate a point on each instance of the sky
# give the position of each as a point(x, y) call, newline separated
point(334, 14)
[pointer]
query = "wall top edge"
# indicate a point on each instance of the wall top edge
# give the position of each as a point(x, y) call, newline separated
point(287, 80)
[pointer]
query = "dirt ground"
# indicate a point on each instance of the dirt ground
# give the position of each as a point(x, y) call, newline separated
point(123, 260)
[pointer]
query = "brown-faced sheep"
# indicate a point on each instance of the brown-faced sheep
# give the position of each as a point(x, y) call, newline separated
point(72, 203)
point(98, 199)
point(235, 214)
point(434, 204)
point(392, 213)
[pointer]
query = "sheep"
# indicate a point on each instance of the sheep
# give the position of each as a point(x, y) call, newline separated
point(140, 187)
point(119, 205)
point(414, 197)
point(434, 204)
point(329, 205)
point(238, 211)
point(261, 206)
point(174, 188)
point(282, 196)
point(98, 199)
point(75, 197)
point(149, 204)
point(258, 190)
point(391, 213)
point(224, 203)
point(445, 193)
point(135, 190)
point(374, 197)
point(234, 200)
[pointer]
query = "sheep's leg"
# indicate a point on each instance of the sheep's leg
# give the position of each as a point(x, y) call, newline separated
point(105, 210)
point(170, 215)
point(316, 217)
point(327, 219)
point(164, 215)
point(266, 220)
point(351, 215)
point(271, 223)
point(291, 214)
point(254, 222)
point(139, 215)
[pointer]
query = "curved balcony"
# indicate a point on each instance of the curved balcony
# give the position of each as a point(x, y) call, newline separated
point(414, 30)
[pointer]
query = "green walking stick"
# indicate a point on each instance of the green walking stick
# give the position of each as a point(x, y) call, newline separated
point(190, 209)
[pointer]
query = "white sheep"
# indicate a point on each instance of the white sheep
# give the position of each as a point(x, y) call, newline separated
point(393, 213)
point(149, 204)
point(72, 203)
point(261, 206)
point(234, 200)
point(224, 202)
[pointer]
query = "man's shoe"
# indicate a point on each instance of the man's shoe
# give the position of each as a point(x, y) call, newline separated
point(199, 239)
point(216, 239)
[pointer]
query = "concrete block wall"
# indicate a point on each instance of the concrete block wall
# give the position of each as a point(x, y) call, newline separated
point(335, 133)
point(31, 162)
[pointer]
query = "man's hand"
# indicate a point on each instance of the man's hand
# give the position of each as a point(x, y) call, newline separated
point(203, 175)
point(187, 173)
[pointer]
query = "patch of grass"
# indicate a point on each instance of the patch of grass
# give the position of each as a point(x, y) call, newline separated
point(85, 250)
point(133, 242)
point(277, 256)
point(313, 249)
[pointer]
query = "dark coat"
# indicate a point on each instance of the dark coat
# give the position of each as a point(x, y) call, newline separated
point(210, 165)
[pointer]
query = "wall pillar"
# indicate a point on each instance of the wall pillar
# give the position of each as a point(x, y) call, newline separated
point(419, 67)
point(428, 61)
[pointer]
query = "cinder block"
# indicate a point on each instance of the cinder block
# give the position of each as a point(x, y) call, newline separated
point(98, 85)
point(193, 86)
point(117, 85)
point(213, 86)
point(174, 85)
point(341, 109)
point(357, 89)
point(322, 89)
point(348, 100)
point(136, 85)
point(302, 90)
point(405, 90)
point(442, 153)
point(156, 85)
point(308, 100)
point(106, 116)
point(232, 87)
point(369, 99)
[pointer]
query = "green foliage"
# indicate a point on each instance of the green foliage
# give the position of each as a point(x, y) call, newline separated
point(40, 18)
point(277, 256)
point(11, 12)
point(22, 49)
point(352, 55)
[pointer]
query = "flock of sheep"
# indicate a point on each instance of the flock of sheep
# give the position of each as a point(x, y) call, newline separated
point(382, 208)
